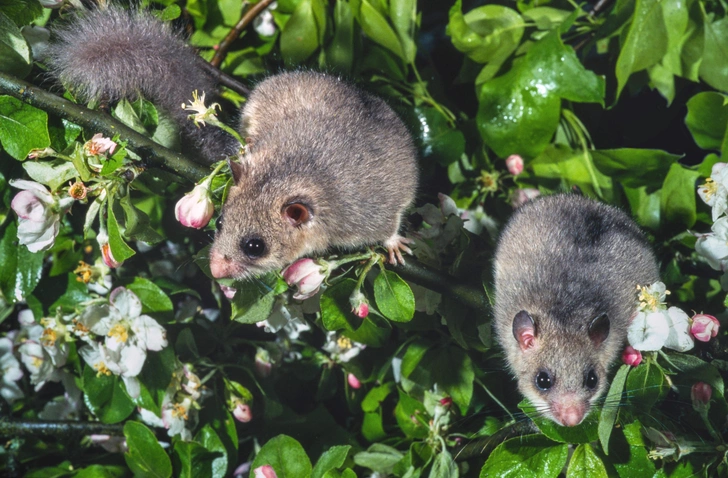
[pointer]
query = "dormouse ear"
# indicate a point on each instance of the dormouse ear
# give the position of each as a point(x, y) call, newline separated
point(238, 169)
point(296, 213)
point(599, 329)
point(524, 330)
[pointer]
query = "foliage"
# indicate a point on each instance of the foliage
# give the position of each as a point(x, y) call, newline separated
point(379, 370)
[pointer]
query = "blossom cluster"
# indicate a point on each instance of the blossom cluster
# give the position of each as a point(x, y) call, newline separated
point(713, 246)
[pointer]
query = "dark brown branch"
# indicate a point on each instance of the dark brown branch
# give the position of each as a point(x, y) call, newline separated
point(57, 429)
point(235, 33)
point(95, 121)
point(223, 78)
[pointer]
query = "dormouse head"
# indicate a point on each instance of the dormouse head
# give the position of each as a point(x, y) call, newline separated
point(562, 372)
point(266, 223)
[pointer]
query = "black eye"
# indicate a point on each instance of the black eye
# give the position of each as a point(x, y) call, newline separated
point(218, 223)
point(543, 381)
point(591, 380)
point(253, 247)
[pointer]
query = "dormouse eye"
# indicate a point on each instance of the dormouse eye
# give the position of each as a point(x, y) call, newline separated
point(253, 247)
point(218, 223)
point(591, 381)
point(543, 381)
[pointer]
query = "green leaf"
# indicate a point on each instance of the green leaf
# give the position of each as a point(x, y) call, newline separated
point(378, 457)
point(411, 416)
point(51, 173)
point(136, 223)
point(585, 432)
point(585, 463)
point(691, 369)
point(155, 378)
point(646, 41)
point(404, 18)
point(645, 385)
point(559, 167)
point(394, 297)
point(331, 459)
point(677, 201)
point(414, 355)
point(629, 455)
point(152, 297)
point(22, 127)
point(21, 12)
point(610, 408)
point(635, 167)
point(373, 331)
point(376, 27)
point(192, 460)
point(250, 307)
point(211, 441)
point(444, 466)
point(146, 457)
point(286, 456)
point(21, 269)
point(119, 249)
point(106, 396)
point(714, 67)
point(486, 33)
point(336, 309)
point(452, 371)
point(340, 51)
point(707, 120)
point(14, 50)
point(303, 31)
point(530, 456)
point(439, 141)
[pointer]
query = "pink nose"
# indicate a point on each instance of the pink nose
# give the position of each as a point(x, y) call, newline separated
point(221, 267)
point(571, 416)
point(569, 411)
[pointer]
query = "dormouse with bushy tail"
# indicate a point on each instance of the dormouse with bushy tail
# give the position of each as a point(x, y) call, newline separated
point(328, 166)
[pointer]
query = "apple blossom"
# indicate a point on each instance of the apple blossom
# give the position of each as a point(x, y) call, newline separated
point(715, 190)
point(679, 337)
point(265, 471)
point(39, 214)
point(242, 412)
point(648, 331)
point(228, 292)
point(704, 327)
point(714, 246)
point(307, 275)
point(359, 304)
point(264, 24)
point(11, 372)
point(99, 145)
point(700, 394)
point(112, 444)
point(287, 318)
point(353, 381)
point(175, 417)
point(195, 209)
point(202, 112)
point(342, 349)
point(514, 163)
point(631, 356)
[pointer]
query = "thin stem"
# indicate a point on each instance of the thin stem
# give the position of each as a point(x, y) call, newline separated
point(152, 152)
point(18, 428)
point(235, 33)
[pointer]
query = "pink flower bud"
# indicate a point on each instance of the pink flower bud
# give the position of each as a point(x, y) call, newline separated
point(514, 163)
point(353, 381)
point(359, 304)
point(522, 196)
point(631, 356)
point(307, 275)
point(195, 209)
point(704, 327)
point(446, 402)
point(700, 395)
point(228, 291)
point(38, 218)
point(243, 413)
point(263, 365)
point(98, 144)
point(106, 255)
point(265, 471)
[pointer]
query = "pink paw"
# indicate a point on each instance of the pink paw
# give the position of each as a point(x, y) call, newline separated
point(396, 245)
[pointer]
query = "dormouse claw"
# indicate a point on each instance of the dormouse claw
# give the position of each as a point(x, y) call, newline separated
point(396, 245)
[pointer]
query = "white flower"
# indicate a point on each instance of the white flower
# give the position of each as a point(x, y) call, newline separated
point(286, 317)
point(653, 297)
point(11, 372)
point(150, 418)
point(38, 363)
point(126, 362)
point(68, 405)
point(715, 190)
point(202, 112)
point(342, 349)
point(39, 214)
point(175, 416)
point(264, 24)
point(99, 145)
point(650, 331)
point(679, 337)
point(714, 246)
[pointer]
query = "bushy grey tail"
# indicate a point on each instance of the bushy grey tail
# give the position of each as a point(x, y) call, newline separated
point(113, 53)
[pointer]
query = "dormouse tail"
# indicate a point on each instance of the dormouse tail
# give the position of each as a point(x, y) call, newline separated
point(113, 53)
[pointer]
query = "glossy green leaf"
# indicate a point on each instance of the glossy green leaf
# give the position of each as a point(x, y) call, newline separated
point(378, 457)
point(155, 378)
point(330, 459)
point(22, 127)
point(192, 460)
point(608, 415)
point(714, 67)
point(21, 12)
point(21, 269)
point(146, 457)
point(452, 371)
point(51, 173)
point(105, 396)
point(211, 441)
point(559, 167)
point(439, 140)
point(15, 55)
point(373, 331)
point(677, 201)
point(444, 466)
point(585, 432)
point(530, 456)
point(394, 297)
point(137, 225)
point(486, 33)
point(119, 249)
point(303, 31)
point(286, 456)
point(635, 167)
point(645, 385)
point(585, 463)
point(404, 18)
point(646, 41)
point(628, 455)
point(411, 416)
point(335, 307)
point(152, 297)
point(340, 51)
point(376, 27)
point(707, 120)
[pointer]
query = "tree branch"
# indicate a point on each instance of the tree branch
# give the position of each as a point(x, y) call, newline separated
point(222, 78)
point(473, 297)
point(155, 154)
point(17, 428)
point(248, 17)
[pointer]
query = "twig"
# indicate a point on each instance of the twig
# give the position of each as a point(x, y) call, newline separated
point(473, 297)
point(223, 78)
point(598, 7)
point(17, 428)
point(248, 17)
point(95, 121)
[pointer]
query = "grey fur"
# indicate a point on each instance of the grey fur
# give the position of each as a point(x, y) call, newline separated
point(111, 53)
point(316, 139)
point(566, 259)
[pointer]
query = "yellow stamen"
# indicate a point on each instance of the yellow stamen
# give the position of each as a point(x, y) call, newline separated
point(178, 411)
point(344, 343)
point(101, 369)
point(119, 332)
point(49, 337)
point(709, 188)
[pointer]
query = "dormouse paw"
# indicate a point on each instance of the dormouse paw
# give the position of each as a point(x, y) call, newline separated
point(396, 245)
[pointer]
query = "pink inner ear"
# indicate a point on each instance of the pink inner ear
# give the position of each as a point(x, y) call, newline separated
point(526, 339)
point(296, 214)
